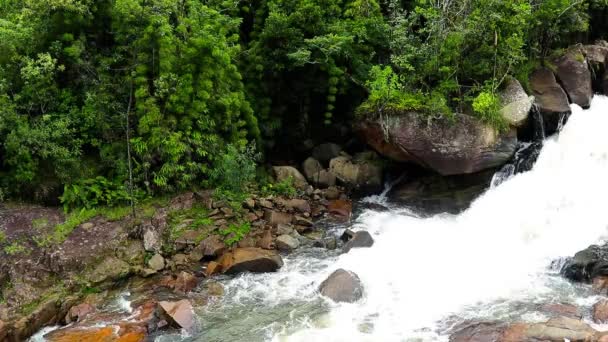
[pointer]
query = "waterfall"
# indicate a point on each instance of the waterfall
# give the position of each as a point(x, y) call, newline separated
point(423, 275)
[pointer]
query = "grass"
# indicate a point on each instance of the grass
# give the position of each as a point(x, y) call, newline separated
point(2, 237)
point(198, 215)
point(15, 248)
point(40, 223)
point(235, 233)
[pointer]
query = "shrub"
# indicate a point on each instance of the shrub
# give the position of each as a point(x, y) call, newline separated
point(487, 108)
point(283, 188)
point(235, 233)
point(91, 193)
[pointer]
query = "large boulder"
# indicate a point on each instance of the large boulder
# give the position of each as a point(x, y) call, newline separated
point(449, 147)
point(326, 152)
point(516, 104)
point(318, 176)
point(587, 264)
point(361, 239)
point(180, 314)
point(283, 173)
point(361, 175)
point(551, 99)
point(342, 286)
point(575, 77)
point(250, 259)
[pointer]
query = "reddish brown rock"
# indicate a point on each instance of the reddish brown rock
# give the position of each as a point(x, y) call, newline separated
point(213, 246)
point(255, 260)
point(266, 241)
point(183, 282)
point(340, 208)
point(600, 284)
point(274, 217)
point(600, 312)
point(212, 269)
point(561, 309)
point(180, 314)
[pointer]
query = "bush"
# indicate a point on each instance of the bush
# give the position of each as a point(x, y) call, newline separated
point(92, 193)
point(235, 233)
point(283, 188)
point(487, 108)
point(235, 169)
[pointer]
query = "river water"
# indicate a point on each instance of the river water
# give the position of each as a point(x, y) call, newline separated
point(424, 276)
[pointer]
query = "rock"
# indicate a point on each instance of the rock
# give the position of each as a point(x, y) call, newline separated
point(479, 332)
point(551, 99)
point(560, 329)
point(600, 285)
point(326, 152)
point(87, 225)
point(275, 218)
point(587, 264)
point(213, 246)
point(283, 173)
point(184, 282)
point(298, 204)
point(301, 221)
point(516, 104)
point(365, 176)
point(264, 203)
point(331, 193)
point(180, 314)
point(342, 286)
point(182, 202)
point(560, 309)
point(361, 239)
point(255, 260)
point(249, 203)
point(287, 243)
point(78, 312)
point(212, 269)
point(574, 76)
point(327, 243)
point(3, 330)
point(340, 208)
point(347, 235)
point(600, 312)
point(109, 269)
point(266, 242)
point(460, 145)
point(284, 229)
point(214, 289)
point(152, 240)
point(156, 263)
point(316, 175)
point(91, 334)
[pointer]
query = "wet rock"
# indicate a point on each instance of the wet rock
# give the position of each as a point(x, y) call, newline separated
point(551, 99)
point(275, 218)
point(478, 332)
point(255, 260)
point(298, 204)
point(89, 334)
point(361, 239)
point(600, 312)
point(302, 221)
point(516, 104)
point(364, 175)
point(214, 289)
point(109, 269)
point(600, 285)
point(213, 246)
point(561, 309)
point(179, 314)
point(284, 229)
point(573, 73)
point(283, 173)
point(287, 243)
point(78, 313)
point(460, 145)
point(156, 263)
point(340, 208)
point(326, 152)
point(587, 264)
point(212, 269)
point(327, 243)
point(347, 235)
point(267, 241)
point(342, 286)
point(183, 282)
point(331, 193)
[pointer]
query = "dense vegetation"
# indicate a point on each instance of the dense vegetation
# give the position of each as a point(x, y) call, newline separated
point(102, 101)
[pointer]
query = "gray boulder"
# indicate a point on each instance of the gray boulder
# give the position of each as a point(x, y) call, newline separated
point(551, 99)
point(361, 239)
point(285, 172)
point(342, 286)
point(575, 77)
point(516, 104)
point(287, 243)
point(362, 175)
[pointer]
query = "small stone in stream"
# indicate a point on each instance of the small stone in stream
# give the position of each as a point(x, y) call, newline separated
point(275, 217)
point(327, 243)
point(299, 220)
point(303, 229)
point(255, 260)
point(287, 243)
point(342, 286)
point(156, 263)
point(184, 282)
point(212, 269)
point(347, 235)
point(180, 314)
point(284, 229)
point(214, 289)
point(600, 312)
point(340, 208)
point(561, 309)
point(78, 312)
point(360, 239)
point(266, 241)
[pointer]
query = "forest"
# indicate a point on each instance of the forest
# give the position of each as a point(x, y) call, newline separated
point(104, 102)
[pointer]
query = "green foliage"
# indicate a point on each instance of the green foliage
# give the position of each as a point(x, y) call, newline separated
point(2, 237)
point(91, 193)
point(487, 106)
point(283, 188)
point(235, 232)
point(235, 169)
point(74, 219)
point(15, 248)
point(194, 219)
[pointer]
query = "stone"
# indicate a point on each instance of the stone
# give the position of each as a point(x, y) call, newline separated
point(287, 243)
point(78, 312)
point(460, 145)
point(284, 229)
point(561, 309)
point(600, 312)
point(331, 193)
point(516, 104)
point(152, 240)
point(283, 173)
point(299, 220)
point(214, 289)
point(182, 202)
point(156, 263)
point(600, 285)
point(95, 334)
point(575, 77)
point(254, 260)
point(326, 152)
point(347, 235)
point(184, 282)
point(298, 204)
point(365, 176)
point(109, 269)
point(212, 269)
point(266, 241)
point(342, 286)
point(311, 168)
point(264, 203)
point(340, 208)
point(213, 246)
point(587, 264)
point(87, 226)
point(249, 203)
point(361, 239)
point(180, 314)
point(551, 98)
point(275, 218)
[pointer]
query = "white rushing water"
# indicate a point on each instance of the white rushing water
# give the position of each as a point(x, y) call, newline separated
point(481, 263)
